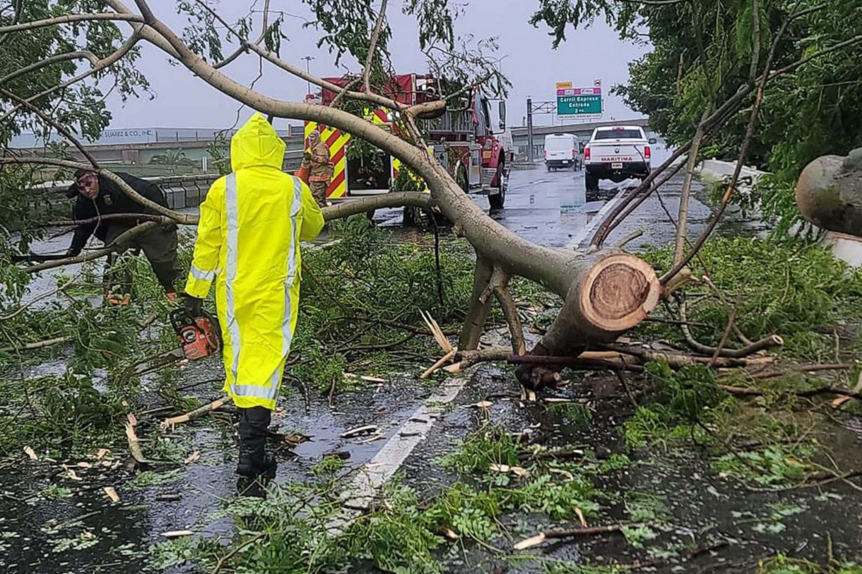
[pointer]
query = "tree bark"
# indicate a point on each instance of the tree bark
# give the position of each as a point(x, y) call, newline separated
point(685, 194)
point(477, 312)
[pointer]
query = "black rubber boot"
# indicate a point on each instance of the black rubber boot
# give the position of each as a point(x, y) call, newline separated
point(255, 468)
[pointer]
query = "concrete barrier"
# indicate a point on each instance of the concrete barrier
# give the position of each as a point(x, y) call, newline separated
point(714, 171)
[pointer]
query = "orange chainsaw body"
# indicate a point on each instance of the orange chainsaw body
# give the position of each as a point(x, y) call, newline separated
point(199, 336)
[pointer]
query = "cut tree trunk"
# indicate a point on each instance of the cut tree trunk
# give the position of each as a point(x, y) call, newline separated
point(829, 193)
point(610, 293)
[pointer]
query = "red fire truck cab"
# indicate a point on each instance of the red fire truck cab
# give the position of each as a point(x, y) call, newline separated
point(464, 141)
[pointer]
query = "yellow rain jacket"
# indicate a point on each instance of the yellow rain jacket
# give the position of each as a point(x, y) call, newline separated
point(248, 239)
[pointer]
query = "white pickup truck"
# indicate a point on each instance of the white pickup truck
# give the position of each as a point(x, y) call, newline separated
point(616, 153)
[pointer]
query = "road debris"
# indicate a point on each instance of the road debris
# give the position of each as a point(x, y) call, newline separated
point(368, 429)
point(177, 533)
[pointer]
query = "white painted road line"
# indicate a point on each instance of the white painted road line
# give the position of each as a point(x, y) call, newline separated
point(587, 231)
point(371, 476)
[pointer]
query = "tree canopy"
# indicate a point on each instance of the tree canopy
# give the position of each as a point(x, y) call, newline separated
point(703, 51)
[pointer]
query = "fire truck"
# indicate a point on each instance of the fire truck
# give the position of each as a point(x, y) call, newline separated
point(464, 141)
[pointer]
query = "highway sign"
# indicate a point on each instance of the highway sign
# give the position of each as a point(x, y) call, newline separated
point(578, 101)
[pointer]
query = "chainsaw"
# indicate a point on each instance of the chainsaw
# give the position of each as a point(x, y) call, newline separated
point(199, 337)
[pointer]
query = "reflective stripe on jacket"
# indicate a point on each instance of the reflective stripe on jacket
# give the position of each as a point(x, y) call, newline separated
point(249, 234)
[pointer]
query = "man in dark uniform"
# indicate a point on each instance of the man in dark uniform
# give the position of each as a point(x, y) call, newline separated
point(98, 196)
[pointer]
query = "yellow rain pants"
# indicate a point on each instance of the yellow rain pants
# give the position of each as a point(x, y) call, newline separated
point(250, 229)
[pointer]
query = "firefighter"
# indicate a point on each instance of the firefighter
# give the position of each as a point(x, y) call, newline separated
point(317, 162)
point(250, 229)
point(98, 196)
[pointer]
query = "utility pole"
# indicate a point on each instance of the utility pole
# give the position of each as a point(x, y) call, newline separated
point(308, 60)
point(530, 129)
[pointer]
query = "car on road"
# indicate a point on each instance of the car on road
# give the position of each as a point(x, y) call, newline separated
point(562, 151)
point(616, 153)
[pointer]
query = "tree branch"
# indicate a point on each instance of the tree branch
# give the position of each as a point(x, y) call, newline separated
point(551, 267)
point(36, 345)
point(163, 219)
point(755, 39)
point(284, 65)
point(370, 203)
point(685, 194)
point(101, 65)
point(375, 35)
point(239, 51)
point(53, 123)
point(500, 286)
point(70, 18)
point(121, 241)
point(78, 55)
point(827, 390)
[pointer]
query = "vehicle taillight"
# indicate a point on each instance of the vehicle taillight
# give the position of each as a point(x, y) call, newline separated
point(546, 153)
point(586, 153)
point(647, 152)
point(573, 153)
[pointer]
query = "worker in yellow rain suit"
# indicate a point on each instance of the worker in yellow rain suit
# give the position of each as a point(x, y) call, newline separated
point(249, 234)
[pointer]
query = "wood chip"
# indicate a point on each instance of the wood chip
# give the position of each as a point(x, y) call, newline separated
point(169, 496)
point(581, 518)
point(177, 533)
point(483, 405)
point(530, 542)
point(372, 438)
point(840, 401)
point(516, 470)
point(449, 534)
point(83, 464)
point(71, 474)
point(112, 494)
point(31, 453)
point(295, 439)
point(193, 457)
point(360, 431)
point(102, 453)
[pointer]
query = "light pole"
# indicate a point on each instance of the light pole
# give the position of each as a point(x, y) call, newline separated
point(308, 60)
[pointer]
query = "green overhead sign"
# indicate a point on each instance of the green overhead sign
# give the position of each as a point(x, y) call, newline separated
point(579, 101)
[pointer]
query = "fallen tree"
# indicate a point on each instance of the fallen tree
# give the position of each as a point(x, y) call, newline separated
point(606, 292)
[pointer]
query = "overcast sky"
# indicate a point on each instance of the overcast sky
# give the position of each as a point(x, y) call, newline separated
point(182, 100)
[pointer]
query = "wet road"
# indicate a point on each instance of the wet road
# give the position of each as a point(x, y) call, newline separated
point(550, 208)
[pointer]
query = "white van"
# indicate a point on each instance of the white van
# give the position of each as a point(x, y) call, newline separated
point(562, 151)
